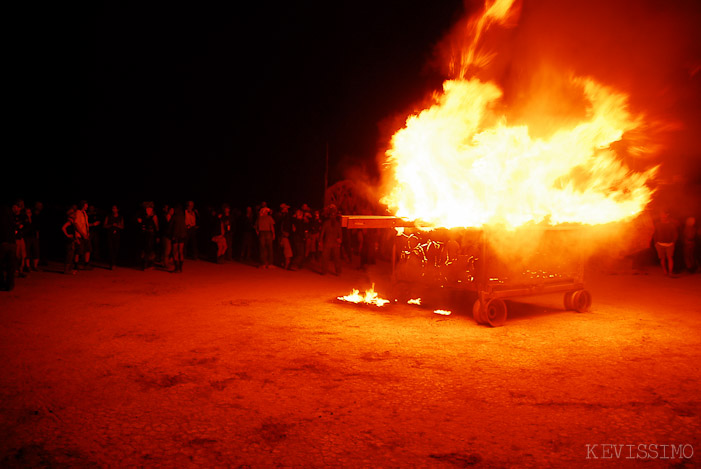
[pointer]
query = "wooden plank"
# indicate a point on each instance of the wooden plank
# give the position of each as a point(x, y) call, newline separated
point(373, 221)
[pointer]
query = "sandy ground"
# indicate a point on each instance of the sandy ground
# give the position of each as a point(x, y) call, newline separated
point(233, 366)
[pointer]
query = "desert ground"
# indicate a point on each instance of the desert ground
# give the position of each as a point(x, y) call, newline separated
point(234, 366)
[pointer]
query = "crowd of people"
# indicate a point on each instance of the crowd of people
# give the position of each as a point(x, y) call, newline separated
point(287, 238)
point(165, 238)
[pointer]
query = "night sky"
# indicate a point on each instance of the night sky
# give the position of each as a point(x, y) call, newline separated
point(126, 102)
point(123, 102)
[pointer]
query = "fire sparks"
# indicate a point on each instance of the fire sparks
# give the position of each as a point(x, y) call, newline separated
point(371, 297)
point(414, 301)
point(443, 312)
point(459, 163)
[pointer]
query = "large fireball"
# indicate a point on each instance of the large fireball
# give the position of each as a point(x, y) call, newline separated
point(460, 163)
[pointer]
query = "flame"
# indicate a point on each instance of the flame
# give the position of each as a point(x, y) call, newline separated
point(371, 297)
point(443, 312)
point(459, 163)
point(415, 301)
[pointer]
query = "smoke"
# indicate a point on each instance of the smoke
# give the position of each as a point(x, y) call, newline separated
point(567, 249)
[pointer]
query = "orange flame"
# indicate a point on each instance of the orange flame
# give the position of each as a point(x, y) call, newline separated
point(459, 164)
point(371, 297)
point(443, 312)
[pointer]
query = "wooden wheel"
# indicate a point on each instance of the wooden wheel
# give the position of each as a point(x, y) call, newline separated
point(568, 300)
point(495, 312)
point(581, 301)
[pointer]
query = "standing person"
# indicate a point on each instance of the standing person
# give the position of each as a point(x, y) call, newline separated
point(18, 232)
point(665, 237)
point(82, 234)
point(311, 248)
point(218, 236)
point(8, 250)
point(114, 225)
point(166, 236)
point(148, 224)
point(689, 235)
point(31, 241)
point(299, 236)
point(192, 221)
point(286, 248)
point(283, 228)
point(71, 240)
point(331, 238)
point(265, 229)
point(178, 235)
point(229, 227)
point(248, 235)
point(94, 232)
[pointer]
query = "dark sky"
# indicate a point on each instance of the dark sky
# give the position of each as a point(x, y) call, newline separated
point(132, 101)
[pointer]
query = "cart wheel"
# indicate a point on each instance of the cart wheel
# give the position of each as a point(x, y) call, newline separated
point(495, 312)
point(569, 306)
point(477, 312)
point(581, 301)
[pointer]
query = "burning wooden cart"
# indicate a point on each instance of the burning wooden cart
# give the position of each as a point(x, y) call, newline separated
point(546, 261)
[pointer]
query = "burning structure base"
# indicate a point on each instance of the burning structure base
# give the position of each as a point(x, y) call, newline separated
point(493, 264)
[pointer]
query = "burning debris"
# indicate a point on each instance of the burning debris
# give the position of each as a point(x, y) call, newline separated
point(370, 297)
point(443, 312)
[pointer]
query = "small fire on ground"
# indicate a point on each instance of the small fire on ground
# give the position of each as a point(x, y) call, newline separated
point(370, 297)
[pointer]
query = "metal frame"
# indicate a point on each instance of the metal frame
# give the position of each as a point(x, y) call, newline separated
point(489, 308)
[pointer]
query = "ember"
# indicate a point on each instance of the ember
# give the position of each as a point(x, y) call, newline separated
point(443, 312)
point(371, 297)
point(416, 301)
